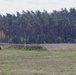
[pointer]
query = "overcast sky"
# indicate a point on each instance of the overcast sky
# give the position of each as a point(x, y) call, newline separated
point(11, 6)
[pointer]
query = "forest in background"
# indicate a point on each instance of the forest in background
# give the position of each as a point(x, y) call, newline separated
point(38, 27)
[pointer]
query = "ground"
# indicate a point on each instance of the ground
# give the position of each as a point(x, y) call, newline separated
point(57, 59)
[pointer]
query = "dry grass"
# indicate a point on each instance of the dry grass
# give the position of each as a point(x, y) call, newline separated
point(58, 59)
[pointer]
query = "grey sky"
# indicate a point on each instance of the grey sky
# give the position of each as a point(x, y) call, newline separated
point(11, 6)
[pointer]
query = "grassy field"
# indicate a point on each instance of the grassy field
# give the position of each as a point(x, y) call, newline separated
point(58, 59)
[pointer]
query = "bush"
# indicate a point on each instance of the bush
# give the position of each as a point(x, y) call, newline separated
point(59, 40)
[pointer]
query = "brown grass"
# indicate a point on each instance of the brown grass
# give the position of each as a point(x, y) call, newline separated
point(58, 59)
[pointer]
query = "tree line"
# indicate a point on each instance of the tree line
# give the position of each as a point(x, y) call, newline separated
point(38, 27)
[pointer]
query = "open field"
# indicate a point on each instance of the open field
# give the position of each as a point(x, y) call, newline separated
point(57, 59)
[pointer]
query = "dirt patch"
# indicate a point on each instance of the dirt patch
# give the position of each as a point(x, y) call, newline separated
point(60, 46)
point(39, 46)
point(26, 47)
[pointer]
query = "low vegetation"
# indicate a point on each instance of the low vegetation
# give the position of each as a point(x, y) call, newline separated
point(23, 47)
point(58, 59)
